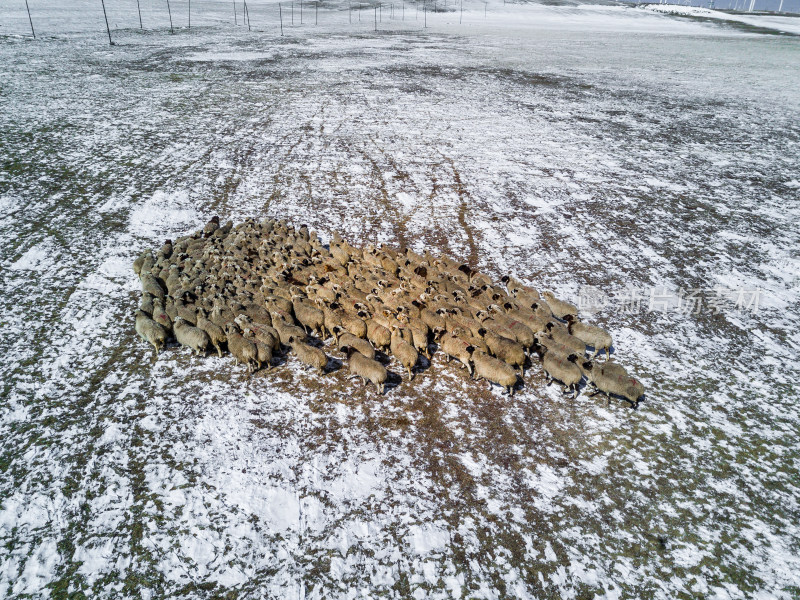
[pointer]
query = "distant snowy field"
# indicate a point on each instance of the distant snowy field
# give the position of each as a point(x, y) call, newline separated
point(572, 145)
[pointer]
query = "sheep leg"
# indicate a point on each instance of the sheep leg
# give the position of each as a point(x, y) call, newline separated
point(410, 374)
point(363, 381)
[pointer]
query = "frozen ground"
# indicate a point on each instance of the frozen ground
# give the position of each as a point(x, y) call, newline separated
point(574, 146)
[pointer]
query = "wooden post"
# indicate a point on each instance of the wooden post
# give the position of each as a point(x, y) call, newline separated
point(190, 14)
point(425, 12)
point(29, 18)
point(108, 29)
point(350, 11)
point(280, 14)
point(140, 14)
point(292, 12)
point(301, 12)
point(376, 18)
point(461, 16)
point(170, 18)
point(247, 14)
point(235, 18)
point(316, 12)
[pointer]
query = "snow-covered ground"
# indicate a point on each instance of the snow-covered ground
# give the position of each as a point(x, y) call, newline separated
point(572, 145)
point(780, 24)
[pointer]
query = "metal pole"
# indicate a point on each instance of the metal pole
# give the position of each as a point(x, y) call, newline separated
point(425, 12)
point(190, 14)
point(140, 14)
point(280, 14)
point(108, 29)
point(350, 11)
point(292, 12)
point(29, 18)
point(301, 12)
point(170, 18)
point(376, 18)
point(461, 16)
point(235, 18)
point(316, 12)
point(247, 14)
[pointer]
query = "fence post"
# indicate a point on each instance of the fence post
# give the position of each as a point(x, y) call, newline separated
point(108, 29)
point(29, 18)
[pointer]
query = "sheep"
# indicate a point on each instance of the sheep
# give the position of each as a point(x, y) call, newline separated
point(455, 347)
point(263, 351)
point(519, 290)
point(191, 337)
point(535, 321)
point(160, 316)
point(522, 332)
point(286, 330)
point(137, 264)
point(593, 336)
point(494, 370)
point(150, 331)
point(496, 324)
point(211, 227)
point(559, 334)
point(346, 339)
point(146, 303)
point(152, 286)
point(310, 317)
point(432, 319)
point(265, 334)
point(610, 384)
point(166, 249)
point(419, 333)
point(553, 346)
point(366, 368)
point(562, 369)
point(560, 308)
point(215, 332)
point(403, 351)
point(509, 351)
point(607, 368)
point(380, 336)
point(309, 355)
point(243, 350)
point(173, 280)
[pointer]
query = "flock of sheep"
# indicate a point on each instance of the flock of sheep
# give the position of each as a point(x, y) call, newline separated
point(262, 288)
